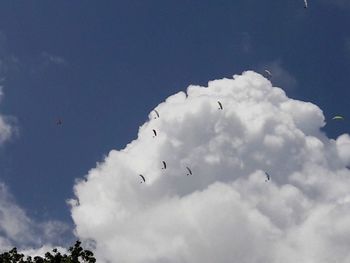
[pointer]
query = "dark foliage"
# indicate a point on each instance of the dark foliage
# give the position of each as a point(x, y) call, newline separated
point(76, 255)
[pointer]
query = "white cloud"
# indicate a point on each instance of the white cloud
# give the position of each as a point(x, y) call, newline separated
point(17, 229)
point(49, 58)
point(225, 211)
point(8, 62)
point(45, 61)
point(6, 130)
point(281, 77)
point(13, 222)
point(246, 43)
point(343, 147)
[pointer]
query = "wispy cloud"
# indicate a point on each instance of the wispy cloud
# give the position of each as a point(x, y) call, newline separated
point(17, 229)
point(45, 61)
point(8, 62)
point(48, 58)
point(7, 128)
point(246, 42)
point(281, 77)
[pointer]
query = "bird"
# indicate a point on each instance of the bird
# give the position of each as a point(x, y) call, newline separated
point(59, 121)
point(155, 133)
point(157, 113)
point(269, 74)
point(143, 178)
point(338, 117)
point(164, 165)
point(220, 105)
point(189, 170)
point(305, 3)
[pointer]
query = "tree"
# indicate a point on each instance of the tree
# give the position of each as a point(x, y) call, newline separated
point(77, 255)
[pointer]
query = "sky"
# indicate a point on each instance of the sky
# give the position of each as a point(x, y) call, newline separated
point(103, 67)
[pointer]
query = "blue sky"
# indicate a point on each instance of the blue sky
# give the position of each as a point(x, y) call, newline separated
point(102, 67)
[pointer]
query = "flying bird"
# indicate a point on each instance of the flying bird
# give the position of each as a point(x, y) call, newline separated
point(268, 177)
point(305, 3)
point(59, 122)
point(143, 178)
point(156, 113)
point(338, 117)
point(189, 170)
point(220, 105)
point(164, 165)
point(269, 75)
point(155, 133)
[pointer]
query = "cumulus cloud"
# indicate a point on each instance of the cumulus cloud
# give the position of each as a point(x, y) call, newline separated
point(225, 211)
